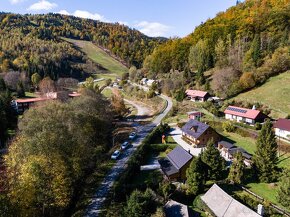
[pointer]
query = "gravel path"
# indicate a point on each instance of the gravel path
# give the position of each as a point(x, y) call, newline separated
point(100, 196)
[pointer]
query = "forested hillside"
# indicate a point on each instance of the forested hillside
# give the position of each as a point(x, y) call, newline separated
point(233, 52)
point(31, 43)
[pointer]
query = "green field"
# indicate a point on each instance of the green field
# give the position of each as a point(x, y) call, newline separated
point(99, 56)
point(275, 94)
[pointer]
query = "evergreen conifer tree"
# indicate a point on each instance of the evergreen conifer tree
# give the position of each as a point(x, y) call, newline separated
point(216, 164)
point(195, 175)
point(265, 159)
point(237, 169)
point(283, 195)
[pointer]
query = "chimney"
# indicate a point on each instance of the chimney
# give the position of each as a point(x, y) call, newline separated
point(254, 107)
point(261, 210)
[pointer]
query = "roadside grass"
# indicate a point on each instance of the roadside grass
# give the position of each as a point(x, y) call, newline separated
point(90, 185)
point(176, 119)
point(272, 94)
point(99, 56)
point(132, 110)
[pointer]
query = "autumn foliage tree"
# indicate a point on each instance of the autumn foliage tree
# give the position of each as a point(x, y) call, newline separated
point(118, 103)
point(52, 153)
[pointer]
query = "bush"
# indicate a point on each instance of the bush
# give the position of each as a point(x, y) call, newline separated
point(258, 126)
point(228, 126)
point(180, 124)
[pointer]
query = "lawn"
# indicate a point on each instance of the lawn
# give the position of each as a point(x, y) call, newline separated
point(29, 94)
point(107, 92)
point(272, 94)
point(249, 145)
point(246, 143)
point(99, 56)
point(265, 190)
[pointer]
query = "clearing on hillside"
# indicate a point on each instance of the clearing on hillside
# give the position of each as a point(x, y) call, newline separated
point(275, 94)
point(99, 56)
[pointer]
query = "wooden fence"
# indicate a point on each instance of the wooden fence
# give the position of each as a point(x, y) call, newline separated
point(278, 209)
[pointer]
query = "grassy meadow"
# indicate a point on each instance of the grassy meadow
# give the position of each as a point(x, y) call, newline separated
point(99, 56)
point(275, 94)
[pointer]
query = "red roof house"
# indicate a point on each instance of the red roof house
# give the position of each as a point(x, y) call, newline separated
point(249, 116)
point(197, 95)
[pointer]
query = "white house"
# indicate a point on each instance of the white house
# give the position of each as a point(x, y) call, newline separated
point(147, 82)
point(282, 128)
point(244, 115)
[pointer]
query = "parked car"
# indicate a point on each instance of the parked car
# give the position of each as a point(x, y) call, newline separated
point(133, 135)
point(116, 155)
point(124, 145)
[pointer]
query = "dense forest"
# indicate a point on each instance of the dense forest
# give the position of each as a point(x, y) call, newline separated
point(233, 52)
point(32, 43)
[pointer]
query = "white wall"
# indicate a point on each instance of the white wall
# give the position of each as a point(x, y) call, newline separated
point(282, 133)
point(239, 119)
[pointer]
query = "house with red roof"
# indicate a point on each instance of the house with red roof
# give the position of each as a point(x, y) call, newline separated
point(197, 95)
point(282, 128)
point(21, 105)
point(244, 115)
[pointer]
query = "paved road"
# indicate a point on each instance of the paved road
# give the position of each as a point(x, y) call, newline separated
point(100, 196)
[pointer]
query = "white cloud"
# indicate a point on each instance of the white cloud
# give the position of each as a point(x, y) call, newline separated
point(63, 12)
point(85, 14)
point(16, 1)
point(123, 23)
point(42, 5)
point(153, 29)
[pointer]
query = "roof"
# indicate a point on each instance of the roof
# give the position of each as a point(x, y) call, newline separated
point(242, 112)
point(174, 161)
point(194, 113)
point(167, 167)
point(179, 157)
point(31, 100)
point(235, 150)
point(283, 124)
point(150, 81)
point(199, 128)
point(196, 93)
point(175, 209)
point(226, 144)
point(223, 205)
point(144, 79)
point(74, 94)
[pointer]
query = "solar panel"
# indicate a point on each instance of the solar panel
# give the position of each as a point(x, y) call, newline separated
point(237, 110)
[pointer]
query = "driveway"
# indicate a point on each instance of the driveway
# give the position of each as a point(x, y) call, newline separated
point(176, 135)
point(100, 196)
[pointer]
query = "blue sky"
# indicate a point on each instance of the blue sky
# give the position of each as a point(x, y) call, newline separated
point(167, 18)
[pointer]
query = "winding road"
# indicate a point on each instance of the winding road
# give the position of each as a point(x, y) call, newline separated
point(102, 192)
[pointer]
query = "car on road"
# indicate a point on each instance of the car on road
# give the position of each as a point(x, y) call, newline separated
point(124, 145)
point(115, 155)
point(133, 135)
